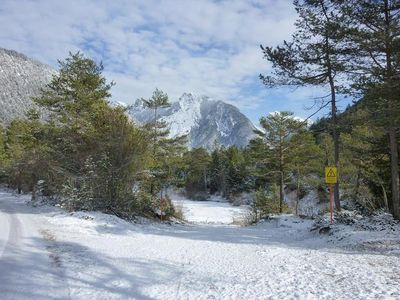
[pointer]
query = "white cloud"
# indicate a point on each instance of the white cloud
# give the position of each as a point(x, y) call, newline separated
point(206, 47)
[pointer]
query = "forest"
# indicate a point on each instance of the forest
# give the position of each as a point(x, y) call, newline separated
point(81, 152)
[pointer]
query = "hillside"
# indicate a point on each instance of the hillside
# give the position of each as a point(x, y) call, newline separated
point(20, 79)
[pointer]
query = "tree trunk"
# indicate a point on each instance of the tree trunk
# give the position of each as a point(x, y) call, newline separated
point(334, 123)
point(394, 155)
point(34, 191)
point(335, 136)
point(394, 166)
point(385, 199)
point(205, 180)
point(357, 187)
point(297, 192)
point(155, 134)
point(281, 162)
point(19, 183)
point(281, 193)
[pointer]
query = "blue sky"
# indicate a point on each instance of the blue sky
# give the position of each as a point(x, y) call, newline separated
point(205, 47)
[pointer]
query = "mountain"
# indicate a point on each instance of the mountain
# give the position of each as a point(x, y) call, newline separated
point(20, 79)
point(206, 121)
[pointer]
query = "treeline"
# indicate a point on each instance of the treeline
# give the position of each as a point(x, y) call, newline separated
point(87, 154)
point(350, 48)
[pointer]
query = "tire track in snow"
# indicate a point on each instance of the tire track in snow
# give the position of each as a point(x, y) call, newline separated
point(14, 234)
point(55, 259)
point(28, 269)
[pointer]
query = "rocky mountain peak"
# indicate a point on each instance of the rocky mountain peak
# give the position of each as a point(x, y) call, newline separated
point(206, 121)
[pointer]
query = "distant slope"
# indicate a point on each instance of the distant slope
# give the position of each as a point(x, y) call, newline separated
point(20, 79)
point(207, 122)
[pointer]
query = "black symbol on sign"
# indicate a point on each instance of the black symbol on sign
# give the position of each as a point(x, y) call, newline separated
point(331, 173)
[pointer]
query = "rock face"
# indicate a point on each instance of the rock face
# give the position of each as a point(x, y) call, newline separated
point(20, 79)
point(207, 122)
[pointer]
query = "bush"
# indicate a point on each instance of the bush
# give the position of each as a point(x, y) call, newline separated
point(265, 203)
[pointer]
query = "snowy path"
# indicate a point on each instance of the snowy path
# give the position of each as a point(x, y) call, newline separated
point(102, 257)
point(214, 211)
point(28, 267)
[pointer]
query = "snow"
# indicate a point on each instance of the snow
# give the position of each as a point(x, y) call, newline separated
point(28, 267)
point(215, 210)
point(309, 205)
point(185, 118)
point(90, 255)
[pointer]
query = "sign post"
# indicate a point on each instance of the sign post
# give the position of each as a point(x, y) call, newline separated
point(331, 178)
point(330, 201)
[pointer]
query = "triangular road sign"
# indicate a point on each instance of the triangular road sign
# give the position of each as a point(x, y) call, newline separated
point(330, 175)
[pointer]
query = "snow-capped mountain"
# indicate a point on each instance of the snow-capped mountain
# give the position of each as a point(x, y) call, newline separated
point(207, 122)
point(20, 79)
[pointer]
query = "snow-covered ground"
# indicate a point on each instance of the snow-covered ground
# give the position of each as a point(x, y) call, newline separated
point(50, 254)
point(216, 210)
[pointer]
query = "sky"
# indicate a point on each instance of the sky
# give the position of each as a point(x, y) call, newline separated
point(205, 47)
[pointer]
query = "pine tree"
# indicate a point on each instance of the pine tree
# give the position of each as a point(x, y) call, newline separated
point(27, 154)
point(306, 159)
point(237, 172)
point(95, 149)
point(314, 56)
point(374, 35)
point(366, 161)
point(217, 172)
point(158, 129)
point(279, 129)
point(197, 162)
point(164, 151)
point(257, 159)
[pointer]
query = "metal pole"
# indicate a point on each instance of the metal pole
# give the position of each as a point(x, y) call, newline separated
point(330, 196)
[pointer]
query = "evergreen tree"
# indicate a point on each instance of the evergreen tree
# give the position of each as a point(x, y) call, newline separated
point(279, 129)
point(257, 159)
point(265, 203)
point(197, 163)
point(158, 129)
point(164, 151)
point(314, 56)
point(366, 161)
point(95, 150)
point(75, 98)
point(217, 170)
point(28, 156)
point(229, 172)
point(375, 63)
point(306, 159)
point(237, 172)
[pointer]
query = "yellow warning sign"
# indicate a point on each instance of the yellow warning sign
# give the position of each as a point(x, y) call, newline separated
point(331, 175)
